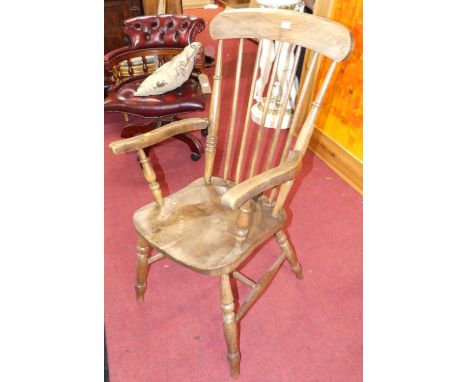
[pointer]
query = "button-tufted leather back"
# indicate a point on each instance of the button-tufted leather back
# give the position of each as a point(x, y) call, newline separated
point(162, 30)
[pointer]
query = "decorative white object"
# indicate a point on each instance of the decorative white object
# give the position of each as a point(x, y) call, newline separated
point(172, 74)
point(285, 64)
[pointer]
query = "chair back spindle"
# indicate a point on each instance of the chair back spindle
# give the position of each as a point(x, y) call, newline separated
point(261, 126)
point(232, 118)
point(304, 136)
point(282, 111)
point(295, 120)
point(245, 131)
point(291, 31)
point(214, 115)
point(145, 64)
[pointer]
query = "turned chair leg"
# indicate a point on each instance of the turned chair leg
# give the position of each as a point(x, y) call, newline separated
point(143, 251)
point(287, 249)
point(230, 325)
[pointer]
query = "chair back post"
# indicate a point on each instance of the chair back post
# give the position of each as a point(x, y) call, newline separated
point(303, 139)
point(211, 140)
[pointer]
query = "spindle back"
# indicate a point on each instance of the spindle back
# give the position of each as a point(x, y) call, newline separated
point(291, 31)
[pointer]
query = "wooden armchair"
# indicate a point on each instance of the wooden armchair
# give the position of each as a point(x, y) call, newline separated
point(215, 223)
point(154, 40)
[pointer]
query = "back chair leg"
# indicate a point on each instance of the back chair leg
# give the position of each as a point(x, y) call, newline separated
point(288, 250)
point(230, 325)
point(143, 251)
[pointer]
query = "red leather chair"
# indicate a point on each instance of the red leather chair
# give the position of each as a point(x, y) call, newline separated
point(154, 40)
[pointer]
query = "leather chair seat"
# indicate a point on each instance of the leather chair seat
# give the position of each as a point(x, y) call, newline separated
point(185, 99)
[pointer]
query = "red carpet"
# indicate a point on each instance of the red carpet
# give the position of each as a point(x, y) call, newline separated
point(308, 330)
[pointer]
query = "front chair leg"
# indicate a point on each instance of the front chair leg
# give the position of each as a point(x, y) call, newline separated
point(143, 251)
point(287, 249)
point(230, 325)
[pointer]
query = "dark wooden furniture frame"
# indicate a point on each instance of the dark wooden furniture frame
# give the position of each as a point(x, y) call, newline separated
point(119, 74)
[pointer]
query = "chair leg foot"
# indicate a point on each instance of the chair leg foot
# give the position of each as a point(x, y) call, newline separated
point(291, 257)
point(193, 143)
point(230, 326)
point(143, 251)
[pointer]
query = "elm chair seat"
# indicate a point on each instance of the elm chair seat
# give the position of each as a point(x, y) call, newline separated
point(200, 205)
point(185, 99)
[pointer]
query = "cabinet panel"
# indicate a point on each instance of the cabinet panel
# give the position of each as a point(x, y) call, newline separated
point(116, 11)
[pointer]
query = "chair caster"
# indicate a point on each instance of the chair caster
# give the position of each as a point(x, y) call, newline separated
point(195, 156)
point(204, 132)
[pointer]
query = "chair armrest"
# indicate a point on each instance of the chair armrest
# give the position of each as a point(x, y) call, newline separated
point(247, 189)
point(110, 55)
point(158, 135)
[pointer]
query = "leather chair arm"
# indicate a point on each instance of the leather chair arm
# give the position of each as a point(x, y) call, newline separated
point(158, 135)
point(249, 188)
point(110, 55)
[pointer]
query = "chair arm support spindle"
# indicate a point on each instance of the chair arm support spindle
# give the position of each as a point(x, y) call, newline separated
point(243, 223)
point(242, 192)
point(158, 135)
point(150, 177)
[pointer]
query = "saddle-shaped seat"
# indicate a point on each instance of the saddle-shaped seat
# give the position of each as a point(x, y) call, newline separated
point(195, 230)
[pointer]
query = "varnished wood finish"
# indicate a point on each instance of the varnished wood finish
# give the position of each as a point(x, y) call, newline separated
point(126, 119)
point(115, 12)
point(192, 142)
point(323, 35)
point(143, 251)
point(289, 252)
point(340, 160)
point(230, 325)
point(121, 74)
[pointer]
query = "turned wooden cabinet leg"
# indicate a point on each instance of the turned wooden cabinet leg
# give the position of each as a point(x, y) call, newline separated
point(143, 251)
point(230, 325)
point(287, 249)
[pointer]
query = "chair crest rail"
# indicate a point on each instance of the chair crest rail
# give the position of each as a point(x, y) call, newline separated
point(330, 38)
